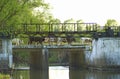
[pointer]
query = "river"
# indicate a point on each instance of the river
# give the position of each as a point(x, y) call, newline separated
point(63, 72)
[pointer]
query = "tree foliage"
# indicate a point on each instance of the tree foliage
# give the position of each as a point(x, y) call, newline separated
point(15, 12)
point(55, 22)
point(111, 22)
point(81, 26)
point(69, 27)
point(52, 20)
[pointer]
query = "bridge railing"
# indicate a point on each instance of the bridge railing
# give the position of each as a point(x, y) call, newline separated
point(114, 28)
point(60, 27)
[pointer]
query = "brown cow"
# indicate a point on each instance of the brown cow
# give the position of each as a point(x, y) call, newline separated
point(70, 39)
point(38, 40)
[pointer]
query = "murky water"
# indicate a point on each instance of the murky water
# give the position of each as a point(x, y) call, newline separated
point(61, 72)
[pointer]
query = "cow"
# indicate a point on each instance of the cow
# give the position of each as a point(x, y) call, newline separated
point(17, 41)
point(38, 40)
point(86, 40)
point(70, 39)
point(61, 40)
point(51, 40)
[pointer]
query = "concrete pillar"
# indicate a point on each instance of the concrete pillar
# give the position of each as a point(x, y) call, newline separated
point(105, 53)
point(4, 46)
point(9, 51)
point(39, 64)
point(6, 53)
point(77, 58)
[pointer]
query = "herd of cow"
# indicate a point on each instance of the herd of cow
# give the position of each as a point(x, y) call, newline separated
point(50, 40)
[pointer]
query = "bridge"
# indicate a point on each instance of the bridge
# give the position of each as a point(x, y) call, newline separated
point(54, 30)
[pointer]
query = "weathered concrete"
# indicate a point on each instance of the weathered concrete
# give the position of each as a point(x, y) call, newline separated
point(6, 54)
point(105, 53)
point(39, 55)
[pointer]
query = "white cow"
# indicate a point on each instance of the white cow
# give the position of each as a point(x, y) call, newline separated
point(17, 41)
point(50, 40)
point(86, 40)
point(61, 40)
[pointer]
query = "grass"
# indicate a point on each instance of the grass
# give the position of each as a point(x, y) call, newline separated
point(4, 76)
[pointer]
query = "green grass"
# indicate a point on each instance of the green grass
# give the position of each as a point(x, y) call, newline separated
point(4, 76)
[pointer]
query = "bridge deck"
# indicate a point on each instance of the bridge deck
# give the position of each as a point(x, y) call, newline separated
point(48, 46)
point(30, 48)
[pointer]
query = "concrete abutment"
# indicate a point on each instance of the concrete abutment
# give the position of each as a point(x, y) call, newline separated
point(105, 54)
point(6, 57)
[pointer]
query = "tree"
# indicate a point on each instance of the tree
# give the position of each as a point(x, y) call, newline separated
point(9, 9)
point(56, 24)
point(56, 20)
point(80, 25)
point(69, 25)
point(14, 12)
point(111, 22)
point(71, 20)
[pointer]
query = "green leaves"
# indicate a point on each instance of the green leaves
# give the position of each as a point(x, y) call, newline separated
point(111, 22)
point(15, 12)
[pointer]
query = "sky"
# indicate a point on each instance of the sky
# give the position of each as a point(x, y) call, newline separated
point(97, 11)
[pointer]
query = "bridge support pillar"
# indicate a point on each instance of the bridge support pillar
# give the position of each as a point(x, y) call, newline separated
point(6, 58)
point(39, 64)
point(77, 59)
point(105, 53)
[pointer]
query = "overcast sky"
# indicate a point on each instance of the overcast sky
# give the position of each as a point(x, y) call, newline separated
point(88, 10)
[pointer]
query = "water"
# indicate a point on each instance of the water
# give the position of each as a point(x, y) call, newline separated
point(63, 72)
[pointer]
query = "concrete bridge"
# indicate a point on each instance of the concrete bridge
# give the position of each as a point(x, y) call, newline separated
point(39, 56)
point(8, 49)
point(104, 54)
point(42, 51)
point(49, 30)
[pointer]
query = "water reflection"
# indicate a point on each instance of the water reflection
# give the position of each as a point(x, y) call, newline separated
point(102, 75)
point(94, 74)
point(76, 74)
point(38, 74)
point(20, 74)
point(61, 72)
